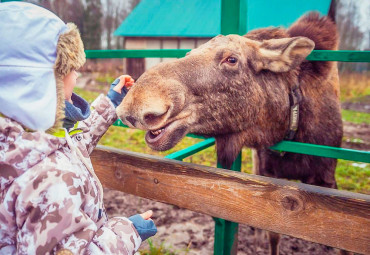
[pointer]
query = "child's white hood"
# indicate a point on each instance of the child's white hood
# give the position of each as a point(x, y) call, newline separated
point(28, 50)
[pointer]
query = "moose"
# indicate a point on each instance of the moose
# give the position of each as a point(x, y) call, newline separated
point(253, 90)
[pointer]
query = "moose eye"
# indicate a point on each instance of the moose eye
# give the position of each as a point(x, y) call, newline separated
point(231, 60)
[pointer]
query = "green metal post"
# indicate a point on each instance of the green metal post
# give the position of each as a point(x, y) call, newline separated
point(230, 16)
point(226, 232)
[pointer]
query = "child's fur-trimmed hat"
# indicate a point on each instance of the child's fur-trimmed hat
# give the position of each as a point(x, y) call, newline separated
point(38, 51)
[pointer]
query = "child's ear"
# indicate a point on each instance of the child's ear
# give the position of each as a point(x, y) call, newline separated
point(283, 55)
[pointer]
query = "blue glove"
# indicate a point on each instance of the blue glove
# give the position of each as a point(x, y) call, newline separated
point(115, 97)
point(145, 228)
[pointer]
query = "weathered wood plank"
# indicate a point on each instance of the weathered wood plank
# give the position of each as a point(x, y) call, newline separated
point(336, 218)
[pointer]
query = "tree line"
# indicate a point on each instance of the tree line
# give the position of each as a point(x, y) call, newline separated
point(96, 19)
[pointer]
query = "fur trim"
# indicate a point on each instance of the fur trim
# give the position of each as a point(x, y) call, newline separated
point(70, 51)
point(59, 115)
point(70, 56)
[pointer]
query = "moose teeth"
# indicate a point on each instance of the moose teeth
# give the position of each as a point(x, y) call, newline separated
point(157, 132)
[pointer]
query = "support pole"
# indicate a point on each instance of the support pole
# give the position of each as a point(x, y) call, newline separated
point(226, 232)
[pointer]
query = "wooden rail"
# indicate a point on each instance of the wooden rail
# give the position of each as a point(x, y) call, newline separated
point(336, 218)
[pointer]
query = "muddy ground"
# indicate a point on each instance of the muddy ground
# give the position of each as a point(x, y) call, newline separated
point(180, 228)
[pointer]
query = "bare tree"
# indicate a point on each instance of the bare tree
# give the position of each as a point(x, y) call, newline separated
point(109, 18)
point(350, 34)
point(92, 29)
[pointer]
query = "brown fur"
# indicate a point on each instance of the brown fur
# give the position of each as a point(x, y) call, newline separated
point(247, 103)
point(70, 56)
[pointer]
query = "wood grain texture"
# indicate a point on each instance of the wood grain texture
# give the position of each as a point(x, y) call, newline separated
point(336, 218)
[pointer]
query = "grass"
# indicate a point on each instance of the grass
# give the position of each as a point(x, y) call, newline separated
point(356, 117)
point(354, 86)
point(155, 249)
point(89, 96)
point(353, 176)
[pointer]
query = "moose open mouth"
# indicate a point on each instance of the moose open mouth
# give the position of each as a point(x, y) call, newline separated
point(155, 135)
point(166, 137)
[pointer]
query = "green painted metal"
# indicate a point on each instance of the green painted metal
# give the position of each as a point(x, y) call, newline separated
point(302, 148)
point(230, 16)
point(181, 154)
point(169, 53)
point(119, 123)
point(226, 237)
point(226, 232)
point(323, 151)
point(316, 55)
point(342, 56)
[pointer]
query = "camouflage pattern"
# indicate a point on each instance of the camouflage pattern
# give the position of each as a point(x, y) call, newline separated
point(49, 200)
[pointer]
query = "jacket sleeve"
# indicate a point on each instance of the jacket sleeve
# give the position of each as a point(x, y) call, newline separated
point(54, 215)
point(100, 119)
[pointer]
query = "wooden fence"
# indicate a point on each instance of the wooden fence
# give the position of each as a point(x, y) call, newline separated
point(332, 217)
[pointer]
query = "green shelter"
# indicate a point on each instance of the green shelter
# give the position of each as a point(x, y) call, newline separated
point(186, 24)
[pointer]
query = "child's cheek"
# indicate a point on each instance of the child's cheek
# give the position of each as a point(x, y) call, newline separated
point(69, 84)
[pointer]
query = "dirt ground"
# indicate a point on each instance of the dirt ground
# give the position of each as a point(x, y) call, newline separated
point(180, 228)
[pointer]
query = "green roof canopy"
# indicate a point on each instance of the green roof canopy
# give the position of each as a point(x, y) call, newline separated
point(202, 18)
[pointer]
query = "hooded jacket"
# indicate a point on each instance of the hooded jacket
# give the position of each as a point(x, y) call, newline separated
point(51, 200)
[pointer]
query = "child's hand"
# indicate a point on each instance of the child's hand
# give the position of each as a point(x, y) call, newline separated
point(124, 81)
point(119, 89)
point(144, 224)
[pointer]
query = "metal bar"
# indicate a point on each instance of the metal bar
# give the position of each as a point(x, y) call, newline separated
point(316, 55)
point(322, 151)
point(340, 55)
point(306, 148)
point(167, 53)
point(226, 232)
point(181, 154)
point(230, 17)
point(119, 123)
point(226, 236)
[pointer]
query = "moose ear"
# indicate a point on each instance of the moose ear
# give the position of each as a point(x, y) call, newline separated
point(283, 55)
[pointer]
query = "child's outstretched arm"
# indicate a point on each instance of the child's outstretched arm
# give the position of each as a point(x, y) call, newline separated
point(104, 113)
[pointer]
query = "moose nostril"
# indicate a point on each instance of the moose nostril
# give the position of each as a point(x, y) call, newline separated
point(149, 117)
point(131, 119)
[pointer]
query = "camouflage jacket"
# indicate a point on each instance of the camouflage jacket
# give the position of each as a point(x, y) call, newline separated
point(49, 199)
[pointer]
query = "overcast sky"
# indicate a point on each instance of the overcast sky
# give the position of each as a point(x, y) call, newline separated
point(365, 14)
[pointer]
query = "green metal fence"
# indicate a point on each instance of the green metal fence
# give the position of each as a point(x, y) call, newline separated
point(233, 22)
point(225, 231)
